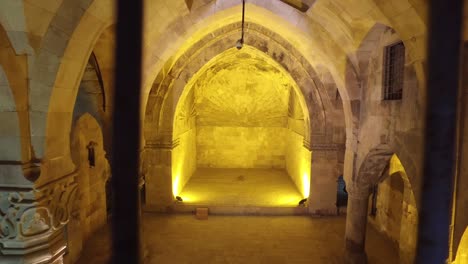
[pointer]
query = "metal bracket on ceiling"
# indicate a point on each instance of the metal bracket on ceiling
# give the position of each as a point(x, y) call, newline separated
point(240, 42)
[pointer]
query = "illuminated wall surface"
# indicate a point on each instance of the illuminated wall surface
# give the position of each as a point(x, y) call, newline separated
point(240, 111)
point(462, 256)
point(397, 215)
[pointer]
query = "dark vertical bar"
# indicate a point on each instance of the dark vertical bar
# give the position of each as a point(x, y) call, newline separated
point(243, 20)
point(445, 29)
point(126, 133)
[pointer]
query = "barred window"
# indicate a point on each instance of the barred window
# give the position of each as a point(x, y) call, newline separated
point(394, 70)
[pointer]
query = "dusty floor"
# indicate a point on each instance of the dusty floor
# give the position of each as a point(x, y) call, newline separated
point(175, 239)
point(246, 187)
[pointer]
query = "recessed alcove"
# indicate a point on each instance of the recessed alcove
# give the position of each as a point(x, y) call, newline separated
point(239, 126)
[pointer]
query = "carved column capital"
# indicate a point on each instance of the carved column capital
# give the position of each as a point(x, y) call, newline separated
point(31, 217)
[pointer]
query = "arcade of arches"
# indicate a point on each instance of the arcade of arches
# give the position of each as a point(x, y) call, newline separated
point(324, 102)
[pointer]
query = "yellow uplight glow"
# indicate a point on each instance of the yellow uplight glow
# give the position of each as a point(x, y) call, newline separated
point(462, 255)
point(287, 200)
point(306, 184)
point(221, 86)
point(175, 185)
point(395, 165)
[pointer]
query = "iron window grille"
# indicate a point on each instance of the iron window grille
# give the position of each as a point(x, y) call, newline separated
point(394, 71)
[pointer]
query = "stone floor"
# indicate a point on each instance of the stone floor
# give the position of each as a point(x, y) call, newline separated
point(180, 239)
point(246, 187)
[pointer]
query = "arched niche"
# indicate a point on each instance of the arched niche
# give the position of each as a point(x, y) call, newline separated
point(92, 174)
point(170, 83)
point(396, 214)
point(219, 104)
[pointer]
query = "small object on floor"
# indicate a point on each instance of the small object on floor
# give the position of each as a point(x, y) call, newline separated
point(201, 213)
point(303, 201)
point(178, 198)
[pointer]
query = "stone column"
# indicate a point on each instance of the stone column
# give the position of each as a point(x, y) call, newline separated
point(33, 219)
point(326, 167)
point(356, 224)
point(157, 170)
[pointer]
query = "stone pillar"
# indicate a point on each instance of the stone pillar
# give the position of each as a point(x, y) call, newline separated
point(326, 167)
point(33, 219)
point(356, 224)
point(144, 252)
point(157, 170)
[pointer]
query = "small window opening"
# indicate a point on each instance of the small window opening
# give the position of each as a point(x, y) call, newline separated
point(394, 71)
point(91, 154)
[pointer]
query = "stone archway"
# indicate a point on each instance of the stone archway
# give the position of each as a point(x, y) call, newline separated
point(13, 108)
point(242, 113)
point(380, 127)
point(319, 110)
point(53, 90)
point(396, 211)
point(381, 164)
point(170, 82)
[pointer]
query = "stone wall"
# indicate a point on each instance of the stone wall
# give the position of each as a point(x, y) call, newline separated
point(184, 154)
point(298, 162)
point(241, 111)
point(241, 147)
point(184, 160)
point(389, 205)
point(396, 215)
point(398, 124)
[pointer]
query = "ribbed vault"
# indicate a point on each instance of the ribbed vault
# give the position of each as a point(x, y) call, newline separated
point(321, 111)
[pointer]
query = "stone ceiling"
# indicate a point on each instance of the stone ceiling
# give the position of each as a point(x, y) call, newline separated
point(242, 89)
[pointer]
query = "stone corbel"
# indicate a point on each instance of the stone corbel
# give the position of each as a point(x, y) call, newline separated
point(162, 144)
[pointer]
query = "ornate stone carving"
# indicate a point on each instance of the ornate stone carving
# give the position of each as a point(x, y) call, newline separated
point(13, 204)
point(29, 216)
point(35, 221)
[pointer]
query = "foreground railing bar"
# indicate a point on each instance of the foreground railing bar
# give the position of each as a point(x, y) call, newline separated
point(126, 133)
point(444, 49)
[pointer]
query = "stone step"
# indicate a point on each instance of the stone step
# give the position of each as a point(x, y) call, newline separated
point(234, 210)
